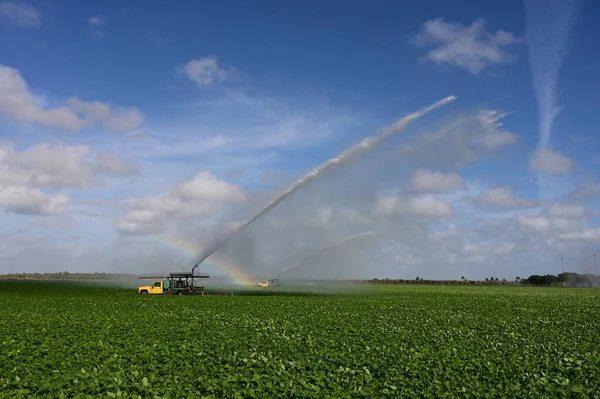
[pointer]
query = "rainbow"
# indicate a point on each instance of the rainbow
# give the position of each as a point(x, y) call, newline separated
point(232, 270)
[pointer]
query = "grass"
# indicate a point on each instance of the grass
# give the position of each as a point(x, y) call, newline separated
point(80, 340)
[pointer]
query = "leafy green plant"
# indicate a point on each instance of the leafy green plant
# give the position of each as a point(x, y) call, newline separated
point(59, 340)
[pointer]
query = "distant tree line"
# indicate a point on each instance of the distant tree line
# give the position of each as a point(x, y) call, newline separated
point(563, 279)
point(65, 276)
point(548, 280)
point(462, 281)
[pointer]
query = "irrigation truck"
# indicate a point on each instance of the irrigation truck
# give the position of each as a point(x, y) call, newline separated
point(180, 283)
point(274, 282)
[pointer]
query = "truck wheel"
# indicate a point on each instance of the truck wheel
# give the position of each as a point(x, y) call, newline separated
point(144, 292)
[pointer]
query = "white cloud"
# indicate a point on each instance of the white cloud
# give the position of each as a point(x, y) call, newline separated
point(568, 211)
point(20, 14)
point(550, 226)
point(18, 103)
point(205, 186)
point(95, 21)
point(133, 227)
point(385, 205)
point(425, 180)
point(547, 160)
point(59, 166)
point(425, 205)
point(476, 251)
point(408, 259)
point(31, 201)
point(429, 206)
point(467, 47)
point(111, 164)
point(533, 223)
point(206, 71)
point(204, 195)
point(520, 245)
point(589, 189)
point(504, 248)
point(590, 235)
point(114, 119)
point(555, 221)
point(492, 141)
point(501, 197)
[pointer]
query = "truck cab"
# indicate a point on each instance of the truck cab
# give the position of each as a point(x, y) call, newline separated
point(157, 287)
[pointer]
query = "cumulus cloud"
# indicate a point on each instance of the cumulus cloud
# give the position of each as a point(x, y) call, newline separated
point(206, 71)
point(131, 225)
point(17, 102)
point(548, 160)
point(501, 197)
point(467, 47)
point(31, 201)
point(590, 188)
point(429, 206)
point(205, 186)
point(424, 180)
point(555, 221)
point(20, 14)
point(589, 234)
point(426, 205)
point(111, 164)
point(114, 119)
point(533, 223)
point(59, 166)
point(568, 211)
point(201, 196)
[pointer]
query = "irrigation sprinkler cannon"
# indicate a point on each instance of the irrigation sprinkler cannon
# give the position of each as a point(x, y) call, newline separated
point(177, 283)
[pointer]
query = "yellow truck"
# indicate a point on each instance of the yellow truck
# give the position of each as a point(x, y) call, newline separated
point(175, 284)
point(269, 283)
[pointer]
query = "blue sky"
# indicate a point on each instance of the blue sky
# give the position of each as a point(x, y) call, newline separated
point(128, 125)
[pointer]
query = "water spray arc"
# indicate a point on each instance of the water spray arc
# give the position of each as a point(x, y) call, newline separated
point(548, 26)
point(547, 29)
point(298, 262)
point(353, 153)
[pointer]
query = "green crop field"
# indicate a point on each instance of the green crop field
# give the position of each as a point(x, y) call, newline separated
point(59, 341)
